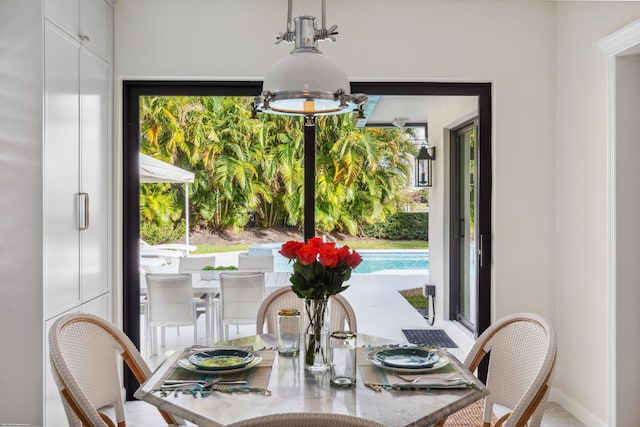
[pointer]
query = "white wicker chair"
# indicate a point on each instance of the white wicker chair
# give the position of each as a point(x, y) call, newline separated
point(522, 354)
point(84, 352)
point(307, 419)
point(342, 315)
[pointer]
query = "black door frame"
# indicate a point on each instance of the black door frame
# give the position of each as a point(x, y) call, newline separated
point(133, 89)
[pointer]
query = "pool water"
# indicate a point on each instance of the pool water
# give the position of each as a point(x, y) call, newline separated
point(387, 260)
point(373, 261)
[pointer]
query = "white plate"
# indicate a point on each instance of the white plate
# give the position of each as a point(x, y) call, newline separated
point(184, 363)
point(444, 361)
point(407, 357)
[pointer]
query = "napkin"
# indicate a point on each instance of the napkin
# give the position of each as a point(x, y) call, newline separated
point(428, 381)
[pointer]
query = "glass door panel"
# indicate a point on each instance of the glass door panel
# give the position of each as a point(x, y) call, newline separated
point(464, 279)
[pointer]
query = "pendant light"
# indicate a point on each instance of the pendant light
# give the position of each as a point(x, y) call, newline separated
point(307, 83)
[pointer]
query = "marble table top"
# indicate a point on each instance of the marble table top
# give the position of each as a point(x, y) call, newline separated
point(294, 389)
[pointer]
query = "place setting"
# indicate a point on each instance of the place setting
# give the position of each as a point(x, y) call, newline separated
point(200, 371)
point(410, 368)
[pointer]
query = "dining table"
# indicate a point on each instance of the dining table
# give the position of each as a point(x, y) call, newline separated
point(210, 291)
point(279, 384)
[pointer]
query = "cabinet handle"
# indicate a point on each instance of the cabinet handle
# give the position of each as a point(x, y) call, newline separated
point(85, 38)
point(84, 211)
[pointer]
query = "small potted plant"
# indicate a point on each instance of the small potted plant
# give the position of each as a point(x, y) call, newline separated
point(220, 268)
point(207, 272)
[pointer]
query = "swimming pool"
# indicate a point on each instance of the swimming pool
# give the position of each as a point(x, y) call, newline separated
point(372, 260)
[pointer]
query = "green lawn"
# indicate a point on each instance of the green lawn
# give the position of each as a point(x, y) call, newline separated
point(353, 244)
point(205, 249)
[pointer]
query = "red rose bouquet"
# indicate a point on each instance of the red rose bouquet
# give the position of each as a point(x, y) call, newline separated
point(319, 268)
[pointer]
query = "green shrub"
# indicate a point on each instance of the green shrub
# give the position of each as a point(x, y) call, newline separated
point(400, 226)
point(154, 233)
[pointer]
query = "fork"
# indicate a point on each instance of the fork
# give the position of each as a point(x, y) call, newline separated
point(199, 383)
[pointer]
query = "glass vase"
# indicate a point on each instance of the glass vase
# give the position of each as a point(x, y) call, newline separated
point(316, 356)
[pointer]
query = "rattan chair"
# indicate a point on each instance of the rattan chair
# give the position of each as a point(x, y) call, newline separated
point(307, 419)
point(342, 315)
point(83, 351)
point(522, 353)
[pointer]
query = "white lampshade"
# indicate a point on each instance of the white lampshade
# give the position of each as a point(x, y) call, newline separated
point(306, 83)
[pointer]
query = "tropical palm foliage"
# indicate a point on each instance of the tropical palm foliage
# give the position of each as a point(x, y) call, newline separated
point(252, 170)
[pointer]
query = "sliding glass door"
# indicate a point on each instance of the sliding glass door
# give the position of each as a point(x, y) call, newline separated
point(464, 247)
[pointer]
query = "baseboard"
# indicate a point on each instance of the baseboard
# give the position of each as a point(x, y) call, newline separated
point(577, 410)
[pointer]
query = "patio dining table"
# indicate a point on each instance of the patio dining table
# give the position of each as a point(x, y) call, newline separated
point(211, 291)
point(280, 385)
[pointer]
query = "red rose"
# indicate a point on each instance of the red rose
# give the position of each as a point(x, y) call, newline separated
point(307, 254)
point(353, 259)
point(343, 252)
point(329, 255)
point(315, 242)
point(290, 248)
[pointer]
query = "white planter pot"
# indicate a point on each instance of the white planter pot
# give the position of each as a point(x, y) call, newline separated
point(207, 274)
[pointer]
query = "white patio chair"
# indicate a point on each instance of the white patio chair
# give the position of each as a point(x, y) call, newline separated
point(255, 262)
point(170, 302)
point(342, 315)
point(86, 354)
point(195, 263)
point(522, 355)
point(241, 293)
point(307, 419)
point(180, 247)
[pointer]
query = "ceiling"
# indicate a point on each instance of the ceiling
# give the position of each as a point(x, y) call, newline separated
point(380, 111)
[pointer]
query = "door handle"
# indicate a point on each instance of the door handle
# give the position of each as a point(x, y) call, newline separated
point(481, 249)
point(84, 211)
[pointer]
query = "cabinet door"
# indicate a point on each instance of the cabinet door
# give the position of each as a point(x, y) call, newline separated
point(65, 14)
point(97, 27)
point(99, 306)
point(94, 173)
point(61, 173)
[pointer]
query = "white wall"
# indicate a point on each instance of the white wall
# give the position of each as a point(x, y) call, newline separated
point(461, 41)
point(549, 222)
point(21, 316)
point(627, 155)
point(581, 195)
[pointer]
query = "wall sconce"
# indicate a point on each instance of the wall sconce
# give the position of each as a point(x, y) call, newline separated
point(424, 166)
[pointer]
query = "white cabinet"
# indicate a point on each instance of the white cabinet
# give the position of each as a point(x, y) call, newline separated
point(97, 24)
point(61, 173)
point(95, 132)
point(88, 21)
point(76, 166)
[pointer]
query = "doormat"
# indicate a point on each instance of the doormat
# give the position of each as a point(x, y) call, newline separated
point(437, 337)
